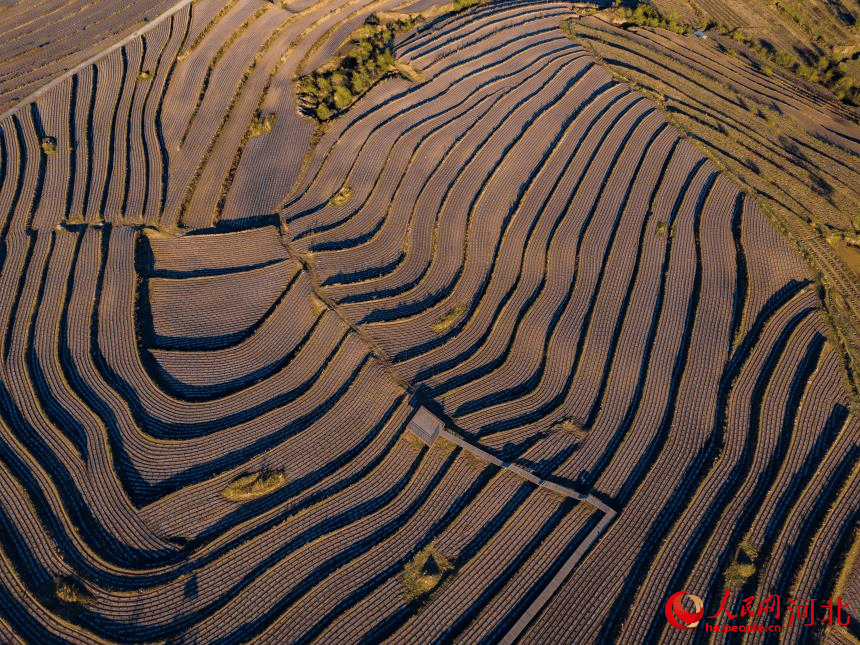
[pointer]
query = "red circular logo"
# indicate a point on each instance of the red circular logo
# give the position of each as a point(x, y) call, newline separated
point(675, 611)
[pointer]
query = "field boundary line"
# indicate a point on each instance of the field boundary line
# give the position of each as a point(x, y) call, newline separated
point(31, 98)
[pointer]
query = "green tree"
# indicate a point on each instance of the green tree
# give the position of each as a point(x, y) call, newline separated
point(342, 97)
point(323, 113)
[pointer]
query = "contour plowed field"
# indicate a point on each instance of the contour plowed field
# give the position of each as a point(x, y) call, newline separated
point(631, 365)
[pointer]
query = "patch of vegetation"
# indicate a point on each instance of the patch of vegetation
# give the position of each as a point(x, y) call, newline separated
point(660, 228)
point(830, 71)
point(335, 86)
point(447, 321)
point(646, 15)
point(743, 567)
point(144, 75)
point(342, 197)
point(70, 592)
point(425, 572)
point(262, 123)
point(849, 563)
point(48, 145)
point(368, 58)
point(448, 446)
point(318, 305)
point(571, 427)
point(254, 485)
point(461, 5)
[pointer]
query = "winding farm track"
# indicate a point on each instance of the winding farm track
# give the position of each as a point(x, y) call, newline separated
point(631, 364)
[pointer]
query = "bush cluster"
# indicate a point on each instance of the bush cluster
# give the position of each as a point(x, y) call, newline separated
point(829, 71)
point(333, 88)
point(646, 15)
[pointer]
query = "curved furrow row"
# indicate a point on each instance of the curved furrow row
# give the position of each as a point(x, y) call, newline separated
point(547, 196)
point(346, 231)
point(648, 419)
point(535, 388)
point(113, 188)
point(409, 210)
point(448, 38)
point(461, 205)
point(187, 312)
point(163, 616)
point(769, 152)
point(198, 140)
point(165, 610)
point(54, 451)
point(339, 155)
point(744, 73)
point(651, 535)
point(288, 42)
point(497, 343)
point(95, 152)
point(391, 135)
point(453, 151)
point(211, 254)
point(613, 200)
point(275, 343)
point(813, 578)
point(43, 40)
point(758, 429)
point(388, 605)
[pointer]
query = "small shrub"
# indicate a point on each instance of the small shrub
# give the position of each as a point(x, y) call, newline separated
point(262, 123)
point(785, 59)
point(571, 427)
point(48, 145)
point(425, 572)
point(144, 75)
point(447, 321)
point(358, 81)
point(254, 485)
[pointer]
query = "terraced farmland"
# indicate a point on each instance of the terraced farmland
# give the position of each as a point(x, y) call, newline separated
point(495, 355)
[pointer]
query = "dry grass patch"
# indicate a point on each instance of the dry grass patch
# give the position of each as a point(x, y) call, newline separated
point(410, 72)
point(444, 444)
point(413, 441)
point(571, 427)
point(262, 123)
point(342, 197)
point(447, 321)
point(425, 572)
point(847, 250)
point(254, 485)
point(849, 563)
point(70, 592)
point(743, 567)
point(318, 305)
